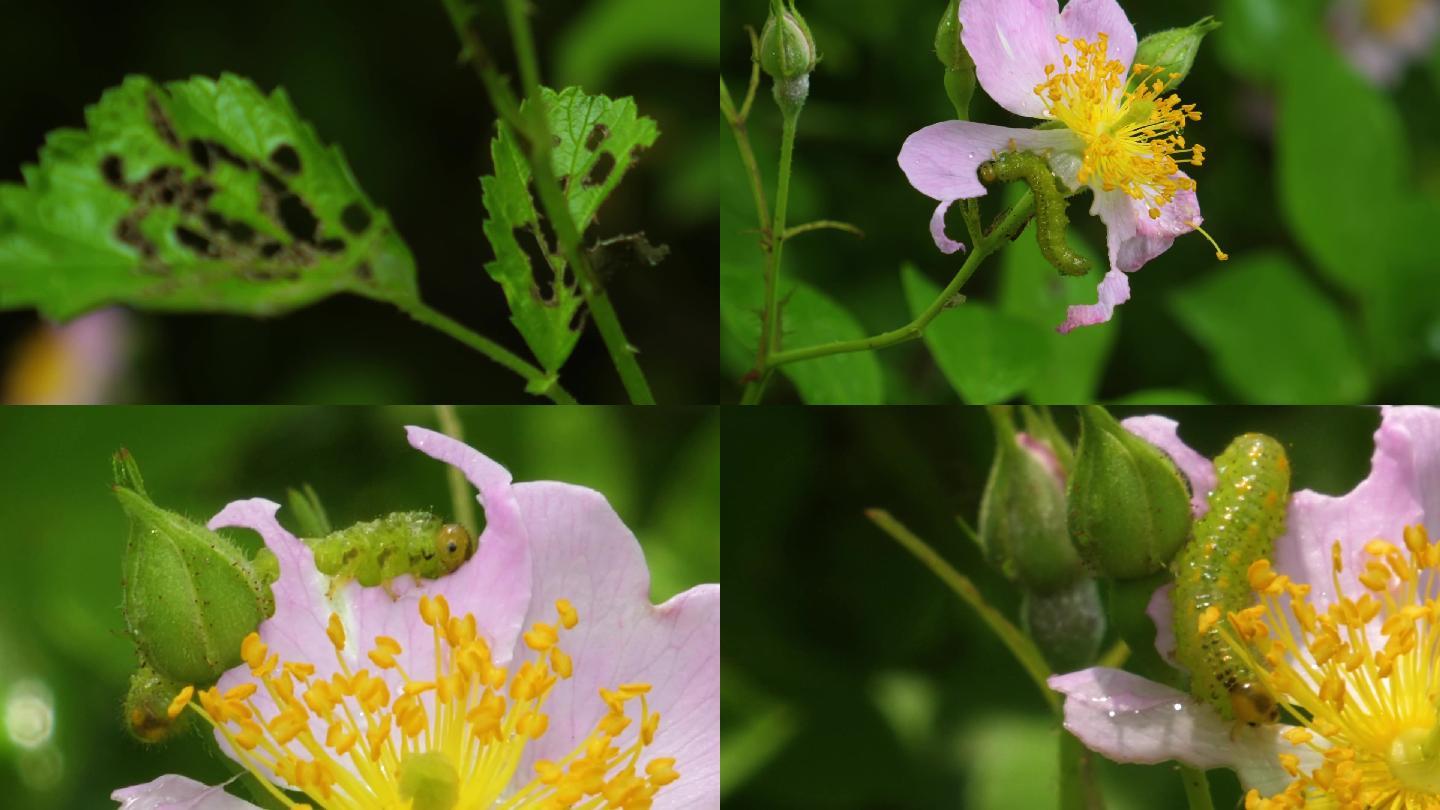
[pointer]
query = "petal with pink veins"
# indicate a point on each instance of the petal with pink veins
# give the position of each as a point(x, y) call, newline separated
point(583, 552)
point(1132, 237)
point(1011, 42)
point(1112, 291)
point(1087, 19)
point(171, 792)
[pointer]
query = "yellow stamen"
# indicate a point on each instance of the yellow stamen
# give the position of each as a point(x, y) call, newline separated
point(1132, 130)
point(454, 742)
point(1361, 680)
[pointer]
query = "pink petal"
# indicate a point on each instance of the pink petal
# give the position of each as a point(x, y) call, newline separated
point(1400, 490)
point(1043, 453)
point(941, 160)
point(1130, 719)
point(1113, 290)
point(1382, 56)
point(1161, 611)
point(1011, 42)
point(584, 553)
point(1131, 236)
point(171, 792)
point(937, 229)
point(1087, 19)
point(1164, 434)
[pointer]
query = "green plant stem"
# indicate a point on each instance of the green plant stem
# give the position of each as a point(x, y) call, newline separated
point(770, 320)
point(535, 132)
point(1016, 217)
point(1078, 788)
point(1197, 788)
point(823, 224)
point(537, 381)
point(460, 498)
point(1017, 642)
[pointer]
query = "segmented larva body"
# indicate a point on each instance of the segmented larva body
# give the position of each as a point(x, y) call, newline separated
point(377, 551)
point(1050, 217)
point(1247, 513)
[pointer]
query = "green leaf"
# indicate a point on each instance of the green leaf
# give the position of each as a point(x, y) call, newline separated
point(197, 195)
point(1031, 290)
point(808, 317)
point(596, 142)
point(987, 356)
point(1341, 175)
point(607, 36)
point(1274, 337)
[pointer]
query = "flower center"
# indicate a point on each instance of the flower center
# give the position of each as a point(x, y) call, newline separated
point(454, 743)
point(1132, 135)
point(1389, 16)
point(1361, 679)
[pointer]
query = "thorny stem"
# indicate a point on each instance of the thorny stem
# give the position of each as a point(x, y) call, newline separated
point(536, 381)
point(1017, 642)
point(1014, 219)
point(535, 132)
point(770, 320)
point(460, 499)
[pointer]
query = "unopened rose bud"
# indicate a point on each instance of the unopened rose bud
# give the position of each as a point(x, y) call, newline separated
point(1167, 56)
point(959, 67)
point(1129, 508)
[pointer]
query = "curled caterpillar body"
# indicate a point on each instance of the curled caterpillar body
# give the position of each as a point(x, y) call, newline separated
point(1247, 513)
point(1050, 218)
point(377, 551)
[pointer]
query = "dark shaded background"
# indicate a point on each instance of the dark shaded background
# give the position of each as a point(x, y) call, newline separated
point(853, 679)
point(879, 80)
point(381, 79)
point(61, 630)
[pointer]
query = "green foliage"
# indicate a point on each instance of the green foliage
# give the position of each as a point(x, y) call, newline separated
point(807, 317)
point(196, 195)
point(986, 355)
point(1274, 337)
point(1031, 290)
point(597, 141)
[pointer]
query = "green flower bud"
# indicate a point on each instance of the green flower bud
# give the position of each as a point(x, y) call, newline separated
point(1022, 512)
point(1067, 625)
point(787, 53)
point(959, 67)
point(787, 48)
point(147, 707)
point(1167, 56)
point(1129, 506)
point(189, 595)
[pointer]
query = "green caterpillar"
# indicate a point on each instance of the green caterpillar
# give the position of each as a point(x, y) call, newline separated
point(1050, 218)
point(377, 551)
point(1247, 513)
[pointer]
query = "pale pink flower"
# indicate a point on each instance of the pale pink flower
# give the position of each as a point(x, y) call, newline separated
point(538, 670)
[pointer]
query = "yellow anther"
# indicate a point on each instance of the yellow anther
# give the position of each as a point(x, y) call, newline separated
point(532, 725)
point(561, 663)
point(662, 770)
point(568, 617)
point(180, 702)
point(541, 637)
point(1208, 619)
point(386, 649)
point(336, 631)
point(253, 651)
point(241, 692)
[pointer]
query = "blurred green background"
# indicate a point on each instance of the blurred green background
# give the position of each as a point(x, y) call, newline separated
point(1323, 188)
point(852, 678)
point(64, 659)
point(382, 80)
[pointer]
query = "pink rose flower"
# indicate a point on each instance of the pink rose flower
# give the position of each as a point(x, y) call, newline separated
point(1070, 68)
point(537, 674)
point(1381, 37)
point(1345, 636)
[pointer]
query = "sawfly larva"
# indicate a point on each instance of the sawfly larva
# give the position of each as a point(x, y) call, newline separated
point(1247, 513)
point(1050, 218)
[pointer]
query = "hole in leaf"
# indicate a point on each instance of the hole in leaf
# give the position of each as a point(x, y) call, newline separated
point(270, 249)
point(214, 221)
point(355, 218)
point(296, 218)
point(192, 240)
point(113, 170)
point(597, 136)
point(274, 183)
point(200, 154)
point(240, 232)
point(364, 272)
point(162, 124)
point(603, 166)
point(331, 245)
point(220, 151)
point(286, 158)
